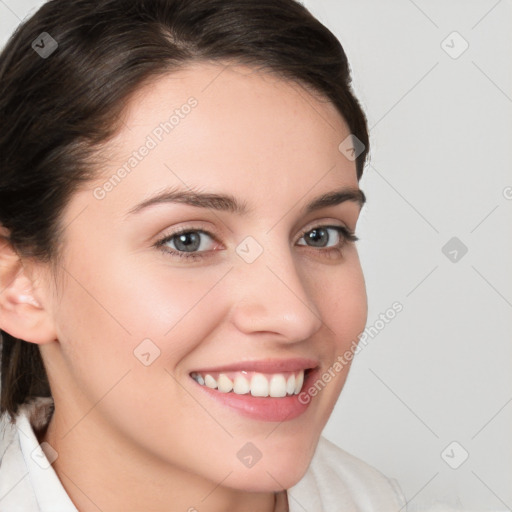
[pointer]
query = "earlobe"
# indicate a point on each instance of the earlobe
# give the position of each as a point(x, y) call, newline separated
point(22, 314)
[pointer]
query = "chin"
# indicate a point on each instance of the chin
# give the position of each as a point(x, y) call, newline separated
point(268, 479)
point(271, 474)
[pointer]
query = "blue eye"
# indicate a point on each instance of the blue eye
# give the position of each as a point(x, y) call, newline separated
point(194, 244)
point(328, 236)
point(186, 243)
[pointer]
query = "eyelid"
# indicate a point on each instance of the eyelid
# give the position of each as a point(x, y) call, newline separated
point(187, 229)
point(309, 227)
point(347, 232)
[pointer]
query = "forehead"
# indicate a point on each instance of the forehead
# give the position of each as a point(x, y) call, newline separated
point(219, 127)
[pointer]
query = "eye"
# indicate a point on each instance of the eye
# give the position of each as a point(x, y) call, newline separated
point(328, 237)
point(329, 240)
point(187, 243)
point(196, 243)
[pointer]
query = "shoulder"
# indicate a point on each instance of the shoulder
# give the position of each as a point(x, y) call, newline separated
point(337, 480)
point(28, 482)
point(15, 491)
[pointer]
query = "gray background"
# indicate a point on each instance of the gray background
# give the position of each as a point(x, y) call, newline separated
point(441, 130)
point(434, 385)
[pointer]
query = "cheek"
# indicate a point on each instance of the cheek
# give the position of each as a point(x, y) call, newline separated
point(342, 301)
point(341, 298)
point(123, 332)
point(173, 306)
point(113, 305)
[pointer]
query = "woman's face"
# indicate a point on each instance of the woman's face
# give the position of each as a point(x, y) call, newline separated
point(138, 311)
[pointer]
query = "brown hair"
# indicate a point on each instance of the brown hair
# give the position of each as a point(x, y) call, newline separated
point(57, 108)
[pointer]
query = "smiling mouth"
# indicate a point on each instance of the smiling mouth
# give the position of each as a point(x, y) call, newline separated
point(275, 385)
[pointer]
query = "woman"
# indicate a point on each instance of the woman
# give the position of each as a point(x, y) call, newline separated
point(178, 199)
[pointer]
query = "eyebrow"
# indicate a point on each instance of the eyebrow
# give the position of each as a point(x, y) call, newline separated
point(229, 203)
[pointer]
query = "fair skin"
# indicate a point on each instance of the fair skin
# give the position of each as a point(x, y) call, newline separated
point(134, 437)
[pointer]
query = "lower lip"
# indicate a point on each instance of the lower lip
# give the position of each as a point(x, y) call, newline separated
point(267, 408)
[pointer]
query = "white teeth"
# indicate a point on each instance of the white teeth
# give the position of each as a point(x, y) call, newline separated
point(260, 385)
point(210, 381)
point(277, 387)
point(290, 385)
point(299, 382)
point(225, 384)
point(242, 386)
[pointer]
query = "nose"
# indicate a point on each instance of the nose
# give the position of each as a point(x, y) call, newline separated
point(271, 295)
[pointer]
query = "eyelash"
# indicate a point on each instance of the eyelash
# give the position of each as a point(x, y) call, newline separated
point(347, 236)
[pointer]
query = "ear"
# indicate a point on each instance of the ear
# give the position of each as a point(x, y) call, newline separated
point(22, 313)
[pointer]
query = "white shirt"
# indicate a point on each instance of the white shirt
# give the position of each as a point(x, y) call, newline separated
point(334, 481)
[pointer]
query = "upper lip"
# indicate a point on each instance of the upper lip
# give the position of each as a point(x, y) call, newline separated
point(265, 366)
